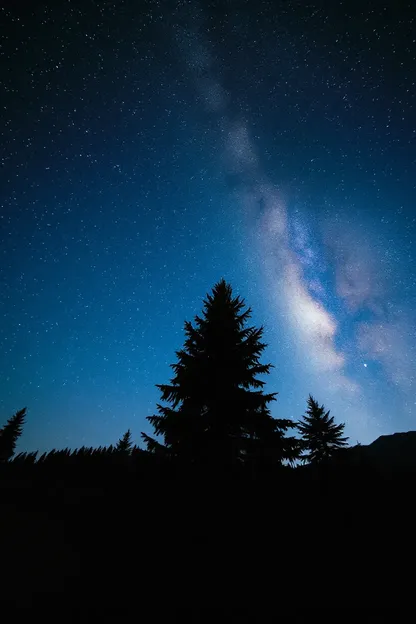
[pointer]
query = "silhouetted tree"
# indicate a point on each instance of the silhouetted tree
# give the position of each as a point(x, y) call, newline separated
point(321, 437)
point(218, 409)
point(25, 458)
point(125, 445)
point(10, 433)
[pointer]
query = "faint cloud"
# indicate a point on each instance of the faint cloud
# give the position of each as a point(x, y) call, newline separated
point(359, 277)
point(363, 277)
point(316, 327)
point(316, 330)
point(274, 223)
point(240, 153)
point(196, 50)
point(356, 284)
point(213, 94)
point(390, 343)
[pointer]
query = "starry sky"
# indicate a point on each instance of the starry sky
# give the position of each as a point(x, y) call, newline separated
point(150, 148)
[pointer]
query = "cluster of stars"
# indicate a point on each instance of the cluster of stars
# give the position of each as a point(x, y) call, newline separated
point(119, 208)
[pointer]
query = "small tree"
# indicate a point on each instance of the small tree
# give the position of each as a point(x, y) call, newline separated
point(125, 445)
point(219, 411)
point(10, 433)
point(321, 437)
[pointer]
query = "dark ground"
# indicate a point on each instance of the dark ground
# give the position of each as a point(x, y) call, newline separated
point(160, 544)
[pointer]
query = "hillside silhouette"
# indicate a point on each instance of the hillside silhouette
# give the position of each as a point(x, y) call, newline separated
point(225, 507)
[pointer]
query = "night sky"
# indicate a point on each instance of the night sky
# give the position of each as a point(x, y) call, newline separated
point(150, 148)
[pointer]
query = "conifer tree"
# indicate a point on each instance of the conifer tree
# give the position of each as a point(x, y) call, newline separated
point(218, 410)
point(125, 445)
point(10, 433)
point(321, 437)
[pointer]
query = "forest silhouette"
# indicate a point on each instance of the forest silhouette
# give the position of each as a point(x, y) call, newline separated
point(223, 502)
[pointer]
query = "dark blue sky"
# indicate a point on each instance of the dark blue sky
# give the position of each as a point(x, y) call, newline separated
point(150, 148)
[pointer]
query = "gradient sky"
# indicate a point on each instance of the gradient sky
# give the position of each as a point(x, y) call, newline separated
point(150, 148)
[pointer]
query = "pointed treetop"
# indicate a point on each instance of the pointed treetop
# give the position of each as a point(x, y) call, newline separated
point(222, 298)
point(125, 444)
point(321, 437)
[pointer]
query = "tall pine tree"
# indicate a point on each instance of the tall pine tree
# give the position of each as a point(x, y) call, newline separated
point(218, 410)
point(321, 437)
point(10, 433)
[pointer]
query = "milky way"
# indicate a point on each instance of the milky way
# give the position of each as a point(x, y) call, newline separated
point(147, 153)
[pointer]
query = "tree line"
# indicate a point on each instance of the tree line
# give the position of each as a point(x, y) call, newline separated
point(215, 411)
